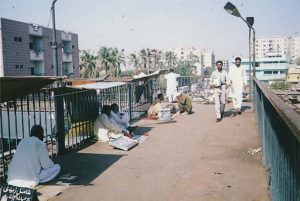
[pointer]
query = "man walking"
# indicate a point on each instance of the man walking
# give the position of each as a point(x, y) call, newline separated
point(219, 82)
point(238, 82)
point(171, 85)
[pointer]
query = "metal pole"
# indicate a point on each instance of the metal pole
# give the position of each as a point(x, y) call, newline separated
point(254, 70)
point(249, 72)
point(54, 44)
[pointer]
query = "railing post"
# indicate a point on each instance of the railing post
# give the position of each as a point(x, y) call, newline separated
point(60, 123)
point(129, 101)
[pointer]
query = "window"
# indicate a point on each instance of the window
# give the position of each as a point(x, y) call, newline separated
point(18, 39)
point(19, 66)
point(73, 46)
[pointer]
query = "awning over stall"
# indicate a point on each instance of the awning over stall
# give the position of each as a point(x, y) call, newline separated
point(15, 87)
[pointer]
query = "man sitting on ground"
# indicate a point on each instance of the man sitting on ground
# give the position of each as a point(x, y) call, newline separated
point(31, 164)
point(109, 123)
point(184, 103)
point(156, 106)
point(121, 118)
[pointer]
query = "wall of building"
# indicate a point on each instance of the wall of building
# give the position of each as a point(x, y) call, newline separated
point(269, 68)
point(15, 47)
point(16, 53)
point(1, 52)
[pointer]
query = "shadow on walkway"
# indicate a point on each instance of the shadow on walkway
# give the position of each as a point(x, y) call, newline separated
point(86, 166)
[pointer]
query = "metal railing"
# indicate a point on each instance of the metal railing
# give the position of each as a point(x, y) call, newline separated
point(187, 80)
point(16, 119)
point(67, 115)
point(279, 128)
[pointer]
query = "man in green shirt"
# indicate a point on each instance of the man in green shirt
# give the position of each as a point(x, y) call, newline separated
point(184, 103)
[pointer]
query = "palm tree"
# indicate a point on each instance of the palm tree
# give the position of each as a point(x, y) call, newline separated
point(104, 55)
point(192, 59)
point(170, 59)
point(87, 64)
point(117, 58)
point(143, 56)
point(134, 60)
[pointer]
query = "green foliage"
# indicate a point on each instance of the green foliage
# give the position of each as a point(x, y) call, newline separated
point(208, 71)
point(127, 73)
point(108, 60)
point(88, 65)
point(184, 70)
point(278, 85)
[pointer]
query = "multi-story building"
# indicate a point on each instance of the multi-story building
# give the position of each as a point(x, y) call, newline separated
point(294, 48)
point(187, 53)
point(293, 75)
point(270, 68)
point(289, 46)
point(208, 56)
point(26, 49)
point(184, 53)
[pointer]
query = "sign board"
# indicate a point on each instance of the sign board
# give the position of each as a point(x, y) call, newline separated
point(164, 114)
point(14, 193)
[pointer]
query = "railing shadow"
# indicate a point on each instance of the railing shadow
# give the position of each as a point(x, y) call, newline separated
point(86, 166)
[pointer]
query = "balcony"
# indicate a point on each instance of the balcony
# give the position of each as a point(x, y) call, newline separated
point(67, 68)
point(67, 57)
point(66, 36)
point(36, 55)
point(35, 30)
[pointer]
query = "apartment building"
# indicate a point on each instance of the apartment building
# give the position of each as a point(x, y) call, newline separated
point(208, 56)
point(269, 68)
point(183, 53)
point(26, 49)
point(289, 46)
point(294, 48)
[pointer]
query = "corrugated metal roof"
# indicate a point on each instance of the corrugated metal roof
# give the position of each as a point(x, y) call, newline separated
point(99, 85)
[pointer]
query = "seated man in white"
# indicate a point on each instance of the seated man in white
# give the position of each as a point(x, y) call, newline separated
point(121, 117)
point(156, 106)
point(105, 127)
point(31, 164)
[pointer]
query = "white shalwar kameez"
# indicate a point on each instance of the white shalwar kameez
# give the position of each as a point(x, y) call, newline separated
point(31, 164)
point(121, 118)
point(171, 86)
point(238, 78)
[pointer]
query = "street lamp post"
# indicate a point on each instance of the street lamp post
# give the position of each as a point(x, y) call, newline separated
point(231, 9)
point(54, 43)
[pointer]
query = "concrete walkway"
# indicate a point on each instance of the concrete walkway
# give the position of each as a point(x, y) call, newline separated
point(192, 159)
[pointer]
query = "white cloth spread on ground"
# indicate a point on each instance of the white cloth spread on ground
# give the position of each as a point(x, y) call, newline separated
point(106, 128)
point(238, 78)
point(171, 85)
point(31, 164)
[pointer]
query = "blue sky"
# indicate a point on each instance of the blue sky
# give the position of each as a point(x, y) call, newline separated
point(161, 24)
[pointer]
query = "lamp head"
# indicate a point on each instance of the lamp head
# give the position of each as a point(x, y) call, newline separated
point(250, 21)
point(231, 9)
